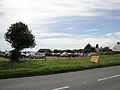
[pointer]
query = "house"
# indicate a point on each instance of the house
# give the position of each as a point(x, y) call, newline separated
point(116, 47)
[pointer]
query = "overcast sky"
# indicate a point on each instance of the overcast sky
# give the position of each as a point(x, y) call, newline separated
point(63, 24)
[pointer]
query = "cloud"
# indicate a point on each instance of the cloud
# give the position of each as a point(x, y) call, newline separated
point(118, 17)
point(60, 35)
point(4, 45)
point(28, 11)
point(1, 13)
point(43, 35)
point(70, 28)
point(115, 34)
point(52, 23)
point(47, 9)
point(51, 8)
point(66, 41)
point(109, 34)
point(91, 30)
point(72, 43)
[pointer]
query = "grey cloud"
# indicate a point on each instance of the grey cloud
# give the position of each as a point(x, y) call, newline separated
point(2, 13)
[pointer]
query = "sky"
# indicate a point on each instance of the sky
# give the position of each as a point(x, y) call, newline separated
point(63, 24)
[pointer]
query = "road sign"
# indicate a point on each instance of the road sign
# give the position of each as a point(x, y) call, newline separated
point(95, 59)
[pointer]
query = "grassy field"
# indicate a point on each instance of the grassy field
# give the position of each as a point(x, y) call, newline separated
point(52, 65)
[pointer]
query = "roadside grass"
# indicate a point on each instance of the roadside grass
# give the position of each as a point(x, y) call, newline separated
point(52, 65)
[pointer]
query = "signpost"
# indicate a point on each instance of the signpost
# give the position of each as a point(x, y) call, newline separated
point(95, 59)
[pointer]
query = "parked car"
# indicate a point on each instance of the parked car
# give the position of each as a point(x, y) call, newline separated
point(2, 54)
point(38, 55)
point(25, 55)
point(65, 54)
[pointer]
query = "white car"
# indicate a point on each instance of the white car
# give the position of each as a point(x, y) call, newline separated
point(25, 55)
point(65, 54)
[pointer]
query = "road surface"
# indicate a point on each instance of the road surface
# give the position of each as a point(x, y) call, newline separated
point(107, 78)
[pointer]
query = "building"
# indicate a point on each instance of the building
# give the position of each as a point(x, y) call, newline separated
point(116, 47)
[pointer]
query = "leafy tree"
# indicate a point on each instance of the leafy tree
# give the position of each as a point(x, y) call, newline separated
point(92, 49)
point(57, 51)
point(88, 46)
point(44, 50)
point(68, 51)
point(75, 50)
point(20, 37)
point(97, 45)
point(106, 49)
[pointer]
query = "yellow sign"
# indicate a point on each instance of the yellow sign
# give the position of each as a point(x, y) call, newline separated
point(95, 59)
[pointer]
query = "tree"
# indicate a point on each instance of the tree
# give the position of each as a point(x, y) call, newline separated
point(44, 50)
point(106, 49)
point(68, 51)
point(88, 46)
point(57, 51)
point(20, 37)
point(97, 45)
point(92, 49)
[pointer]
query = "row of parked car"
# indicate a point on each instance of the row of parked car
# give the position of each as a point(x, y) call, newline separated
point(33, 55)
point(64, 54)
point(24, 55)
point(43, 55)
point(4, 54)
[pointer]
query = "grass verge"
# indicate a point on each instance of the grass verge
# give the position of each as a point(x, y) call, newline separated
point(35, 67)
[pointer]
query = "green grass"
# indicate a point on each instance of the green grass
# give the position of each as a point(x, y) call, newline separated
point(52, 65)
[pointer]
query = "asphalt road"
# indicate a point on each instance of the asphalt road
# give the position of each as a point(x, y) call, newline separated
point(95, 79)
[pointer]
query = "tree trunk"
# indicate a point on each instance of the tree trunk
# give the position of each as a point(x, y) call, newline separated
point(15, 54)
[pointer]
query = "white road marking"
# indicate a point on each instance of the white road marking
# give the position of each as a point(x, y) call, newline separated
point(108, 77)
point(62, 88)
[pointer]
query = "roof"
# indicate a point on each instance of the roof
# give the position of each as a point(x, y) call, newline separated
point(116, 48)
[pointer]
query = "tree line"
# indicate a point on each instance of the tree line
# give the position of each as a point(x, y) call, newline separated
point(87, 49)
